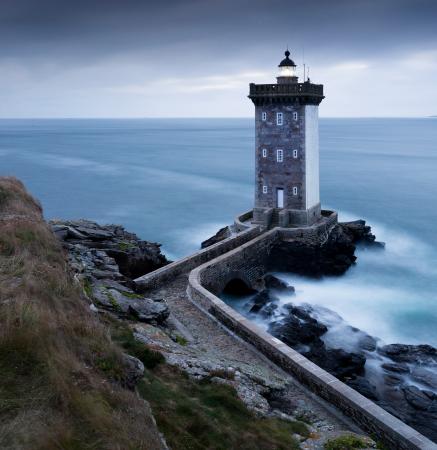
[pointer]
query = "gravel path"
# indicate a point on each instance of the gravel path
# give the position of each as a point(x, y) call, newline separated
point(208, 347)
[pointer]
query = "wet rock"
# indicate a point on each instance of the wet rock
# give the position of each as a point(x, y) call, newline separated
point(260, 300)
point(221, 235)
point(398, 368)
point(333, 257)
point(416, 354)
point(367, 343)
point(272, 282)
point(361, 234)
point(417, 398)
point(425, 375)
point(364, 387)
point(338, 362)
point(295, 331)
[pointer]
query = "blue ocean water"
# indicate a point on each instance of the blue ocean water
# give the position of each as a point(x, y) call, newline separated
point(176, 181)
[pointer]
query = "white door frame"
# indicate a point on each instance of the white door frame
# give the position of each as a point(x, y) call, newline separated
point(279, 197)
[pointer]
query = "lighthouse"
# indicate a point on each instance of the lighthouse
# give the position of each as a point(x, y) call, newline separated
point(287, 192)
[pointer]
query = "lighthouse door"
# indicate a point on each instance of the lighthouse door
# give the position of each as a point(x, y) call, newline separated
point(279, 198)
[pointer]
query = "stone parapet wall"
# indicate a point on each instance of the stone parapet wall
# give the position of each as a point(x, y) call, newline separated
point(176, 268)
point(316, 233)
point(248, 263)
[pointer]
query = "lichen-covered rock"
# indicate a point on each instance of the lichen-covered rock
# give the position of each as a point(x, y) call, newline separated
point(108, 247)
point(106, 258)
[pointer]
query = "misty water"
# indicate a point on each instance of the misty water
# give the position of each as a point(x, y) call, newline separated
point(177, 181)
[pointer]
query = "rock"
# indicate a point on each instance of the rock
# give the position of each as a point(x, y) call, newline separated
point(126, 303)
point(272, 282)
point(261, 300)
point(298, 328)
point(333, 257)
point(425, 375)
point(147, 310)
point(221, 235)
point(398, 368)
point(367, 343)
point(134, 371)
point(108, 248)
point(417, 354)
point(417, 398)
point(361, 234)
point(338, 362)
point(363, 386)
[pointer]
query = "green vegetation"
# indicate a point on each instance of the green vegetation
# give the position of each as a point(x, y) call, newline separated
point(58, 365)
point(198, 415)
point(112, 300)
point(125, 246)
point(346, 442)
point(88, 288)
point(124, 336)
point(131, 294)
point(181, 340)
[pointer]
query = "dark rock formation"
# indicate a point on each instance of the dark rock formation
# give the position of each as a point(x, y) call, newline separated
point(271, 282)
point(221, 235)
point(302, 332)
point(417, 354)
point(133, 256)
point(333, 257)
point(106, 258)
point(361, 234)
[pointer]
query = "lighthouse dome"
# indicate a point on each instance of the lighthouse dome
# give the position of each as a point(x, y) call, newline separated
point(287, 62)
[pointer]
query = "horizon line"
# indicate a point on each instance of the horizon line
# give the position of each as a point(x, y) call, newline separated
point(199, 117)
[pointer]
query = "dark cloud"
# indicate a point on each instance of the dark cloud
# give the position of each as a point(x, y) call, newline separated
point(111, 57)
point(96, 28)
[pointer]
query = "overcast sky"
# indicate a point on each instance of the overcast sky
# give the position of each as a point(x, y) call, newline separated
point(132, 58)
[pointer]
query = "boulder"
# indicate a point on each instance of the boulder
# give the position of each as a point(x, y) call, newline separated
point(133, 371)
point(126, 303)
point(272, 282)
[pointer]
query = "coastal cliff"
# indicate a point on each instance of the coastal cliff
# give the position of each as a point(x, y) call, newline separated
point(114, 368)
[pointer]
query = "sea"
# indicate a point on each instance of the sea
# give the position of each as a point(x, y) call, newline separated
point(176, 181)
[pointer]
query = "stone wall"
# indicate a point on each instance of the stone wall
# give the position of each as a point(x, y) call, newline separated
point(176, 268)
point(249, 260)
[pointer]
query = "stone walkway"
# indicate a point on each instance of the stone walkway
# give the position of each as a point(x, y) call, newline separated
point(209, 349)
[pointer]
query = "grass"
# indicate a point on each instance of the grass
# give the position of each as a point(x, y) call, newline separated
point(125, 246)
point(181, 340)
point(59, 369)
point(124, 336)
point(346, 442)
point(204, 415)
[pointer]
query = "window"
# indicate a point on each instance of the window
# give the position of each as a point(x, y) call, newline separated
point(264, 189)
point(279, 155)
point(279, 118)
point(264, 116)
point(295, 116)
point(294, 153)
point(264, 153)
point(294, 190)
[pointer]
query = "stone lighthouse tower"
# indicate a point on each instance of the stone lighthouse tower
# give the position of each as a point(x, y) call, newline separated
point(286, 149)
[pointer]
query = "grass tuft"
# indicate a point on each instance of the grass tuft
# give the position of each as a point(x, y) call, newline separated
point(346, 442)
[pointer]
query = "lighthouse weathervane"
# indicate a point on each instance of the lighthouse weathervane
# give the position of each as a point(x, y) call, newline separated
point(286, 149)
